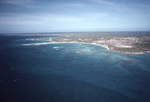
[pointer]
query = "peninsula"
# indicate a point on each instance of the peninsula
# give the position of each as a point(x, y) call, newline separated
point(129, 43)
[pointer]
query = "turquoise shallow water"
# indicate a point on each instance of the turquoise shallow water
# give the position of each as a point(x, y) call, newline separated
point(38, 71)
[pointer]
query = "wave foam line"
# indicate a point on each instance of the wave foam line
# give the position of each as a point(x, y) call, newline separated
point(43, 43)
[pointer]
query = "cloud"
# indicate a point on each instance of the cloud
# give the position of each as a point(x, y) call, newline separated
point(17, 21)
point(45, 18)
point(144, 6)
point(18, 2)
point(24, 3)
point(110, 5)
point(38, 19)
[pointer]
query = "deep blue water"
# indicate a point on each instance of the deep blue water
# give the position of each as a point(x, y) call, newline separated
point(38, 71)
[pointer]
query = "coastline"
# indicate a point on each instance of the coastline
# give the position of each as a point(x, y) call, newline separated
point(124, 44)
point(104, 46)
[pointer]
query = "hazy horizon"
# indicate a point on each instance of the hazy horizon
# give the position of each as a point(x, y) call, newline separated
point(76, 32)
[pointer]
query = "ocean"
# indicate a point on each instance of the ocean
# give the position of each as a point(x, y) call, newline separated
point(41, 71)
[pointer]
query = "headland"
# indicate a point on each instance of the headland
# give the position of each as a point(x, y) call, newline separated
point(128, 43)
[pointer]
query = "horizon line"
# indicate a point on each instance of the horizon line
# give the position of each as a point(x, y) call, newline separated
point(77, 32)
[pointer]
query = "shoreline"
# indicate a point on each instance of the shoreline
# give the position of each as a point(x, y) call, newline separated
point(104, 46)
point(86, 43)
point(116, 44)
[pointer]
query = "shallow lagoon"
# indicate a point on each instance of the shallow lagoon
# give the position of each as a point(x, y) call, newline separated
point(70, 72)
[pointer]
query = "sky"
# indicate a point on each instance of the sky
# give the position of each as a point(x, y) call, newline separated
point(25, 16)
